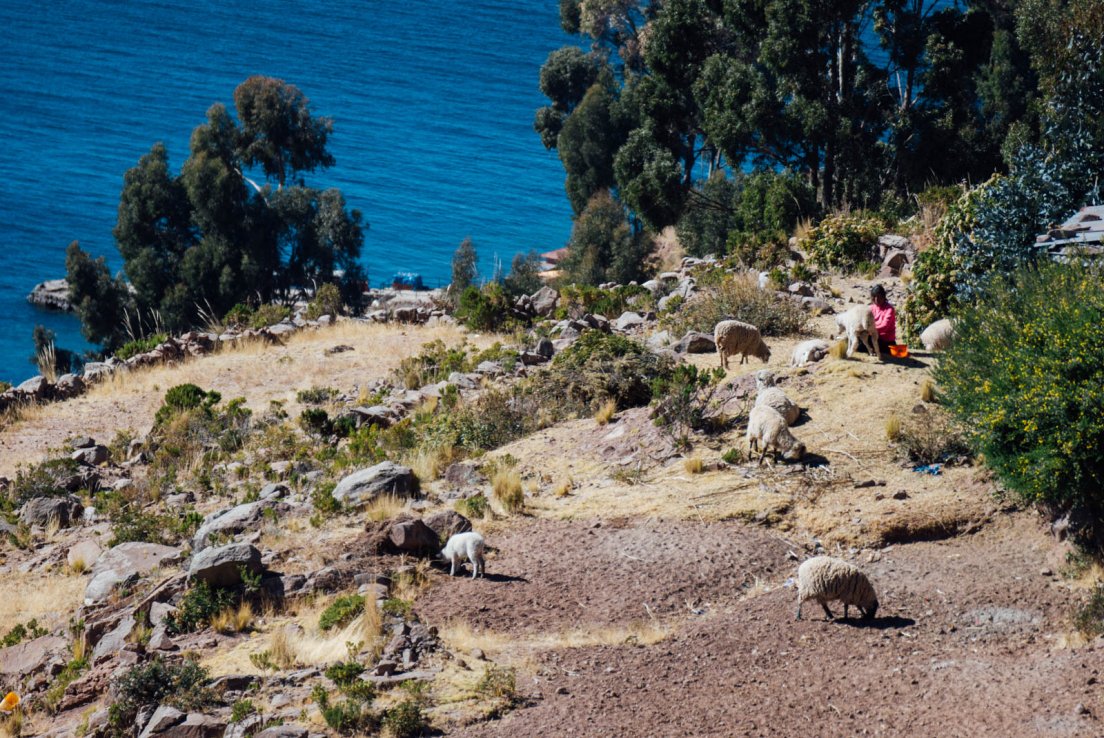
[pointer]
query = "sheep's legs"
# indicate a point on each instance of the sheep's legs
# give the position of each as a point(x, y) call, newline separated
point(800, 602)
point(828, 613)
point(452, 571)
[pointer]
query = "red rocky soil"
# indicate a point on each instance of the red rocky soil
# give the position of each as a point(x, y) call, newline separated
point(965, 643)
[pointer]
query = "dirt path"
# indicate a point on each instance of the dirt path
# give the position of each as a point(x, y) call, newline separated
point(966, 643)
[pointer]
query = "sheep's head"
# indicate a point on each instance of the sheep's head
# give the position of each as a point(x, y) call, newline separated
point(796, 452)
point(870, 610)
point(763, 379)
point(762, 352)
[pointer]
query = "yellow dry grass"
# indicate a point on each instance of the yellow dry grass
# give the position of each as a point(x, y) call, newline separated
point(384, 507)
point(606, 412)
point(927, 389)
point(506, 487)
point(461, 637)
point(258, 372)
point(693, 465)
point(234, 619)
point(49, 599)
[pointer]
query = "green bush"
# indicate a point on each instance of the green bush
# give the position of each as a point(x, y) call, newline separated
point(185, 397)
point(327, 301)
point(199, 604)
point(843, 240)
point(578, 299)
point(1026, 374)
point(475, 506)
point(239, 316)
point(759, 251)
point(316, 395)
point(241, 710)
point(51, 478)
point(600, 367)
point(341, 612)
point(343, 672)
point(405, 719)
point(269, 314)
point(486, 309)
point(19, 632)
point(738, 297)
point(140, 346)
point(682, 398)
point(434, 363)
point(156, 682)
point(1089, 618)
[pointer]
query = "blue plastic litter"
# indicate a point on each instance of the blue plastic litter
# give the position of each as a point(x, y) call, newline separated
point(934, 469)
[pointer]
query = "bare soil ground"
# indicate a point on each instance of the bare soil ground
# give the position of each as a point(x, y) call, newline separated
point(967, 640)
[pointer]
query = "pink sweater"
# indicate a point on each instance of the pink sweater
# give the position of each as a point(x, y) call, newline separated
point(885, 320)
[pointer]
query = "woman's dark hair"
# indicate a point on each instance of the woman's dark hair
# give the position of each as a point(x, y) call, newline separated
point(877, 291)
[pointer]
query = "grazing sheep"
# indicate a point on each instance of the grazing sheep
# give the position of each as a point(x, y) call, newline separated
point(938, 336)
point(468, 544)
point(774, 397)
point(823, 578)
point(767, 428)
point(809, 351)
point(858, 324)
point(735, 337)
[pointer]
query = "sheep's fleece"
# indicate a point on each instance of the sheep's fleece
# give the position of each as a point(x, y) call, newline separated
point(823, 578)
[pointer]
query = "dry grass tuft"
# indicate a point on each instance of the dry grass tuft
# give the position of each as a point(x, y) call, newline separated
point(606, 412)
point(429, 463)
point(411, 583)
point(506, 486)
point(77, 567)
point(12, 726)
point(693, 465)
point(234, 619)
point(838, 350)
point(280, 649)
point(892, 427)
point(384, 507)
point(927, 389)
point(563, 487)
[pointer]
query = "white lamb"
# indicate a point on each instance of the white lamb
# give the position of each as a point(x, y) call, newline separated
point(858, 324)
point(938, 336)
point(809, 351)
point(468, 545)
point(772, 396)
point(735, 337)
point(823, 578)
point(767, 428)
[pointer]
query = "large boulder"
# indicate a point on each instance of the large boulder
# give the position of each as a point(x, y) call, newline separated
point(194, 726)
point(52, 294)
point(233, 520)
point(696, 343)
point(83, 554)
point(123, 563)
point(32, 656)
point(45, 511)
point(164, 717)
point(93, 455)
point(544, 301)
point(446, 523)
point(361, 487)
point(414, 537)
point(628, 321)
point(222, 566)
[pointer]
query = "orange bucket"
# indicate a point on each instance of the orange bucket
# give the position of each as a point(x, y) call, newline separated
point(898, 351)
point(10, 702)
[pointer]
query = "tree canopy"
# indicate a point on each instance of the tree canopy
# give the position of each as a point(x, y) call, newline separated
point(212, 236)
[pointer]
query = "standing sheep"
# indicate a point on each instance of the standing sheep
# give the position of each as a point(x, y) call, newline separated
point(735, 337)
point(823, 578)
point(938, 336)
point(772, 396)
point(468, 545)
point(805, 352)
point(858, 324)
point(767, 428)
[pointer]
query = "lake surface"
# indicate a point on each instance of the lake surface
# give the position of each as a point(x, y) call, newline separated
point(432, 103)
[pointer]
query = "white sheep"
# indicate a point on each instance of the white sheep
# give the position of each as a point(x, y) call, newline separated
point(858, 324)
point(938, 336)
point(823, 578)
point(767, 428)
point(468, 545)
point(735, 337)
point(805, 352)
point(772, 396)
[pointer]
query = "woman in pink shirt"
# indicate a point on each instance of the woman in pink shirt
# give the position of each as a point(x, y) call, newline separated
point(885, 318)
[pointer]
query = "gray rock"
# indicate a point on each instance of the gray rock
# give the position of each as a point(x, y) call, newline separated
point(889, 242)
point(414, 537)
point(446, 523)
point(52, 294)
point(32, 656)
point(164, 717)
point(36, 387)
point(490, 368)
point(652, 285)
point(597, 322)
point(123, 563)
point(463, 474)
point(86, 552)
point(283, 731)
point(696, 343)
point(274, 491)
point(544, 301)
point(817, 304)
point(545, 348)
point(45, 511)
point(895, 259)
point(628, 321)
point(81, 442)
point(658, 340)
point(69, 385)
point(221, 566)
point(92, 455)
point(232, 520)
point(160, 641)
point(801, 288)
point(361, 487)
point(113, 641)
point(195, 726)
point(159, 611)
point(379, 415)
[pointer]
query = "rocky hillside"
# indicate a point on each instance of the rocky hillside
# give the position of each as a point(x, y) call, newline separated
point(180, 562)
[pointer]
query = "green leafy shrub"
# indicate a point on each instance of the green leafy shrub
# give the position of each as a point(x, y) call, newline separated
point(578, 299)
point(19, 632)
point(486, 309)
point(434, 363)
point(185, 397)
point(316, 395)
point(1089, 617)
point(738, 297)
point(269, 314)
point(179, 685)
point(843, 240)
point(327, 301)
point(239, 316)
point(140, 346)
point(341, 612)
point(405, 719)
point(475, 506)
point(398, 607)
point(600, 367)
point(682, 399)
point(241, 710)
point(316, 421)
point(1026, 374)
point(199, 604)
point(344, 672)
point(51, 478)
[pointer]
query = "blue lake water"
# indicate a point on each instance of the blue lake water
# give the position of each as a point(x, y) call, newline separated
point(432, 103)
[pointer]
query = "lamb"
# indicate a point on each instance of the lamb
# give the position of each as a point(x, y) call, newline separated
point(468, 544)
point(858, 324)
point(767, 428)
point(735, 337)
point(774, 397)
point(808, 351)
point(938, 336)
point(823, 578)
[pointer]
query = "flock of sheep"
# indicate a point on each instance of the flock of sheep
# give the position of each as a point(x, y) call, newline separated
point(822, 578)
